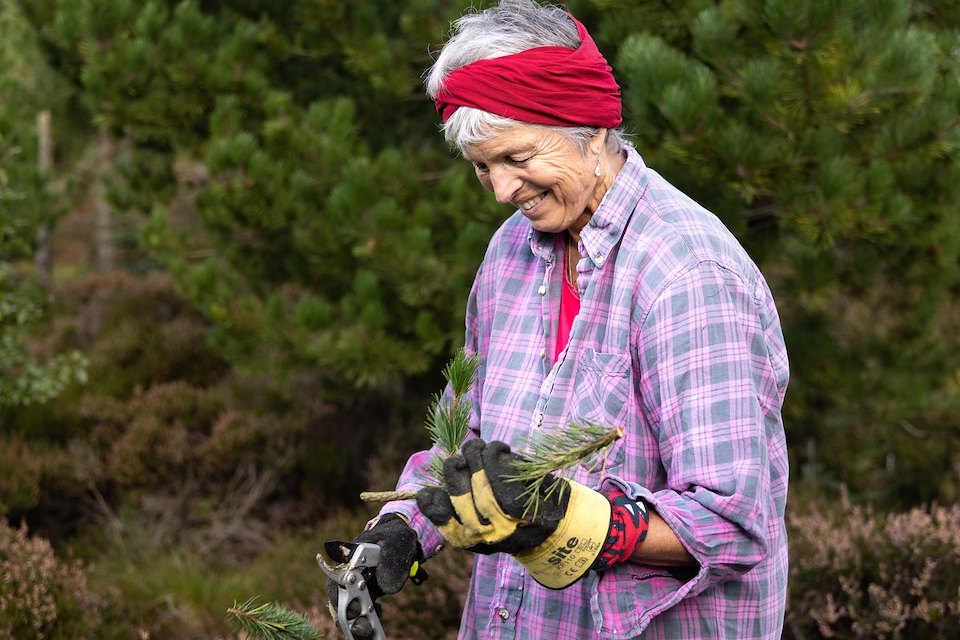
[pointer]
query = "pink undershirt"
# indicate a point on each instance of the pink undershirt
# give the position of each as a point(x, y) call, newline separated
point(569, 308)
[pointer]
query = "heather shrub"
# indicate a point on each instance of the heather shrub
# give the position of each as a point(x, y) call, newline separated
point(137, 331)
point(858, 574)
point(41, 596)
point(165, 423)
point(33, 474)
point(242, 437)
point(148, 451)
point(161, 427)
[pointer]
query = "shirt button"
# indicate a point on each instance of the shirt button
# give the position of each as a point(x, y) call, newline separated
point(539, 419)
point(543, 352)
point(598, 258)
point(504, 614)
point(542, 290)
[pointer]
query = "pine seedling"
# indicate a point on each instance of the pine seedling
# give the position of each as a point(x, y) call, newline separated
point(270, 621)
point(447, 422)
point(448, 419)
point(550, 453)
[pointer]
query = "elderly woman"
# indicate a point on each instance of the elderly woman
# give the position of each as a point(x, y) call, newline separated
point(608, 296)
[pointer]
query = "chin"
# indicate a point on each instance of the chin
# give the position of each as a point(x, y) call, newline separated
point(547, 226)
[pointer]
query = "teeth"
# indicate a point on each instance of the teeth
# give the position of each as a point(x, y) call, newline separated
point(532, 202)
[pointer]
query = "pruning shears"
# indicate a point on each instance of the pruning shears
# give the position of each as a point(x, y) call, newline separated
point(358, 560)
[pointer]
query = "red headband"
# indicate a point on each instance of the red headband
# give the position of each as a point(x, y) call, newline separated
point(544, 85)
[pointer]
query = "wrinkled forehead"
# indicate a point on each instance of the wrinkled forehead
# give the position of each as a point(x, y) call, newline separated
point(513, 140)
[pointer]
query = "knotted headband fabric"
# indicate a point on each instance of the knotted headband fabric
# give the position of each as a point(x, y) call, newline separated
point(544, 85)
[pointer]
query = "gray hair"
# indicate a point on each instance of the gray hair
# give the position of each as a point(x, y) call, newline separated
point(511, 27)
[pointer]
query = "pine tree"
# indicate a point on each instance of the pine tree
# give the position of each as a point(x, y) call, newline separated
point(27, 85)
point(332, 231)
point(826, 135)
point(25, 378)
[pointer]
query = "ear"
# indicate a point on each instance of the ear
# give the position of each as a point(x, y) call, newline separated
point(598, 142)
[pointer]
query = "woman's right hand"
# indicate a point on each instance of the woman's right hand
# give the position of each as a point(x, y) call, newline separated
point(399, 550)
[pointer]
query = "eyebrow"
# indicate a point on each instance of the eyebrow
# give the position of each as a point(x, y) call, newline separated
point(524, 149)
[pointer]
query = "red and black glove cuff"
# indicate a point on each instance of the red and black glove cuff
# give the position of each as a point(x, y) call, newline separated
point(628, 529)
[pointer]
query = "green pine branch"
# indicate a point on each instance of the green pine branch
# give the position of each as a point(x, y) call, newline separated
point(550, 453)
point(270, 621)
point(448, 421)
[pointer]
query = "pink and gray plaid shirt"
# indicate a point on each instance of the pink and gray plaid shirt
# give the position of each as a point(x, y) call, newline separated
point(678, 341)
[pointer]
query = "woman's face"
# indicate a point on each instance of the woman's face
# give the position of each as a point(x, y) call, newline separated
point(543, 174)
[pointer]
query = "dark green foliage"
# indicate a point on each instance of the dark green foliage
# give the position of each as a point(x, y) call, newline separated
point(333, 230)
point(27, 85)
point(331, 233)
point(26, 377)
point(826, 135)
point(322, 241)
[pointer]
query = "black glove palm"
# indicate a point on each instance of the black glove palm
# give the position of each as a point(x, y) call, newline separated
point(399, 549)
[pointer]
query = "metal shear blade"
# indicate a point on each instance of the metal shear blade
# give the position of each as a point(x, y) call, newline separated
point(353, 558)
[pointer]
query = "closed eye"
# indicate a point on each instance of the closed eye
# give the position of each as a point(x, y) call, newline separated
point(480, 167)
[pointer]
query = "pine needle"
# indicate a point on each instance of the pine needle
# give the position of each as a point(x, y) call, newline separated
point(558, 451)
point(270, 621)
point(448, 418)
point(461, 372)
point(447, 422)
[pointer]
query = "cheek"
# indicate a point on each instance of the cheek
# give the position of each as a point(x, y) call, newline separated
point(570, 185)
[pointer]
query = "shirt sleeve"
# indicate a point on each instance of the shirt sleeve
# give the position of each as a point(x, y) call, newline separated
point(709, 390)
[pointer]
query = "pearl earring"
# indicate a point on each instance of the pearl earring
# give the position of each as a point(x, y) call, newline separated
point(598, 171)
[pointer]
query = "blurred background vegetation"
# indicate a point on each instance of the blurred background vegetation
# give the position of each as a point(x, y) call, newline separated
point(235, 255)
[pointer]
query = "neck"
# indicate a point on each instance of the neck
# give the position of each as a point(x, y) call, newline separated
point(572, 257)
point(610, 166)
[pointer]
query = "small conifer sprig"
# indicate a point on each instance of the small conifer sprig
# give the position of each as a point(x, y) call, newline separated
point(270, 621)
point(549, 453)
point(447, 422)
point(448, 419)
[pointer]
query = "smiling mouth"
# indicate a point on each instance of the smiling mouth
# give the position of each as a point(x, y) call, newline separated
point(532, 202)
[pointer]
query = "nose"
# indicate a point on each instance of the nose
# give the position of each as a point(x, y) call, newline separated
point(504, 183)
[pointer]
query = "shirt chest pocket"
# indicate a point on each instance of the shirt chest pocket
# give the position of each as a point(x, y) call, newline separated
point(602, 395)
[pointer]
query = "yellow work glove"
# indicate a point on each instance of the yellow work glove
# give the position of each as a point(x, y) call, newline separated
point(483, 511)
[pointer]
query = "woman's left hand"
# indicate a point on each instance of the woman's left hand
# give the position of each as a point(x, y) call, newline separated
point(482, 510)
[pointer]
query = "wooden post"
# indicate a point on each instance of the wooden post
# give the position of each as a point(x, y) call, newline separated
point(43, 258)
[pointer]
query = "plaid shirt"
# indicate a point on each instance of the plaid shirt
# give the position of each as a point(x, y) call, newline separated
point(678, 341)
